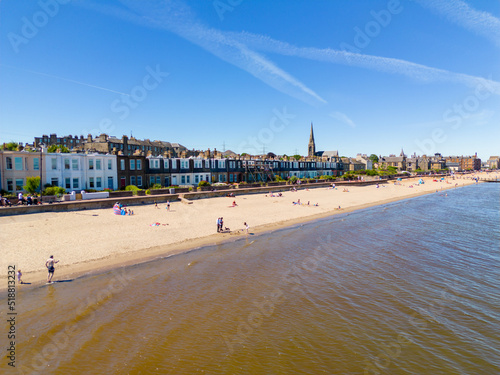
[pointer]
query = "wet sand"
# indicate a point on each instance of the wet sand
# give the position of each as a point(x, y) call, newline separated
point(97, 240)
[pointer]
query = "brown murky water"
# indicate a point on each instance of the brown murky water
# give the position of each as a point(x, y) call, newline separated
point(406, 288)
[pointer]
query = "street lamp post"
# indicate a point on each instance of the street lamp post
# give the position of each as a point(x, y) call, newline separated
point(41, 167)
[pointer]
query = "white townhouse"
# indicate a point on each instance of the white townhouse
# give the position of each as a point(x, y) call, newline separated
point(76, 172)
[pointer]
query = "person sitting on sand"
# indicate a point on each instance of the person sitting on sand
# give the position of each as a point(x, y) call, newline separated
point(234, 204)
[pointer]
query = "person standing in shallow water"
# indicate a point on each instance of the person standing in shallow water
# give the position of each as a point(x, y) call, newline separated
point(50, 267)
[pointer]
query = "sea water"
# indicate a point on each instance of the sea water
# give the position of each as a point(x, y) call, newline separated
point(409, 287)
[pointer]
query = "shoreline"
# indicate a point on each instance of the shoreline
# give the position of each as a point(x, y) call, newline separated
point(111, 262)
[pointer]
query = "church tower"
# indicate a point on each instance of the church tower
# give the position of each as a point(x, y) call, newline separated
point(311, 148)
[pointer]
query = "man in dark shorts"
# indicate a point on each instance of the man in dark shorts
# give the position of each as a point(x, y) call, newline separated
point(50, 267)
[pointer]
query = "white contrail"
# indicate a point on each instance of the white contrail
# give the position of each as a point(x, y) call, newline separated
point(65, 79)
point(176, 17)
point(460, 13)
point(412, 70)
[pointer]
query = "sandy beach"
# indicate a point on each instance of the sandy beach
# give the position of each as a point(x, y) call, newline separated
point(96, 240)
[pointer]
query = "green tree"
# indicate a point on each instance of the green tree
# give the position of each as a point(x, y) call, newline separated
point(373, 158)
point(32, 184)
point(297, 157)
point(11, 146)
point(62, 148)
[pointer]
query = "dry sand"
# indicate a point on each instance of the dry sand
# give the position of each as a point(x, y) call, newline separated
point(86, 241)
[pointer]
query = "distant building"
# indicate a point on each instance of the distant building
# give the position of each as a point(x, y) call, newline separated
point(467, 163)
point(399, 162)
point(326, 156)
point(494, 162)
point(363, 158)
point(53, 140)
point(105, 144)
point(311, 147)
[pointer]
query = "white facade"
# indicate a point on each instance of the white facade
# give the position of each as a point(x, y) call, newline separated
point(76, 172)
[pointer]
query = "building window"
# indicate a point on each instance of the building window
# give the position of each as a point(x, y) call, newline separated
point(122, 164)
point(74, 164)
point(174, 163)
point(75, 183)
point(151, 180)
point(110, 165)
point(188, 179)
point(91, 163)
point(196, 179)
point(66, 163)
point(19, 183)
point(36, 164)
point(231, 177)
point(98, 164)
point(132, 180)
point(8, 161)
point(132, 164)
point(18, 164)
point(54, 181)
point(139, 180)
point(158, 180)
point(67, 183)
point(166, 181)
point(138, 164)
point(183, 180)
point(91, 182)
point(165, 164)
point(9, 184)
point(110, 183)
point(98, 182)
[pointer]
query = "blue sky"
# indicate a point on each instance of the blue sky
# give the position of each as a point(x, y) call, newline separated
point(251, 76)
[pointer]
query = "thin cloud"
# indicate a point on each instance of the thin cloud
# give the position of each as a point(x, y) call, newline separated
point(176, 17)
point(460, 13)
point(417, 72)
point(342, 117)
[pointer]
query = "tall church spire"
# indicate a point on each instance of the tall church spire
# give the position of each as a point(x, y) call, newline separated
point(311, 148)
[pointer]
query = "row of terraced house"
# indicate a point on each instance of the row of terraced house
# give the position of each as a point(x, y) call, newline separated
point(116, 170)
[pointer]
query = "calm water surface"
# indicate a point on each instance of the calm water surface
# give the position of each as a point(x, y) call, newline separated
point(406, 288)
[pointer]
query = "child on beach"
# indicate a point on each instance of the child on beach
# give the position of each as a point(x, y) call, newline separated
point(19, 276)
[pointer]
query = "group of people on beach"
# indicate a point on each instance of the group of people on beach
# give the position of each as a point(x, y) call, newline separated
point(119, 209)
point(30, 200)
point(220, 225)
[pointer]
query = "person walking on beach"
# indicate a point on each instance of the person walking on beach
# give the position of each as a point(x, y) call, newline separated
point(168, 205)
point(247, 228)
point(50, 267)
point(218, 224)
point(19, 277)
